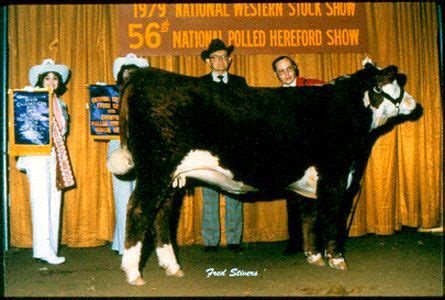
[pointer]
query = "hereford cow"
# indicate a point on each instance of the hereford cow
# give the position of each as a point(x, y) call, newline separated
point(249, 140)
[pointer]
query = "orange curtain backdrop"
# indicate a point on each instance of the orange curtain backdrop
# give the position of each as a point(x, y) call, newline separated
point(403, 181)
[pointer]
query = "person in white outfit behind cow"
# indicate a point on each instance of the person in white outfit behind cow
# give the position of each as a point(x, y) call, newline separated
point(122, 187)
point(45, 191)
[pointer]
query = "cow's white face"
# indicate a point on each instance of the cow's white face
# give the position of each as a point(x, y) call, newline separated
point(384, 107)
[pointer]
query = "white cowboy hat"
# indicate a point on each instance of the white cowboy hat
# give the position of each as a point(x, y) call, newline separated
point(130, 59)
point(47, 65)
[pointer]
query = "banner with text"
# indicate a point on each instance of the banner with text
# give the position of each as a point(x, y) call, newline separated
point(253, 28)
point(30, 122)
point(104, 111)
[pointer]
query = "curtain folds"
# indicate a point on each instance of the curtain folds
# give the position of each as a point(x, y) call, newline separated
point(402, 185)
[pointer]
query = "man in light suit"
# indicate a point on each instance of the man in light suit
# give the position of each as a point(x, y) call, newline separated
point(217, 57)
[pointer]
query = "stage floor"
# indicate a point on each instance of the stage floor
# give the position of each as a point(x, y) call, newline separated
point(405, 264)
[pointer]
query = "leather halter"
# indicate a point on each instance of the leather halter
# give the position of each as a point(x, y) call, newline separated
point(396, 102)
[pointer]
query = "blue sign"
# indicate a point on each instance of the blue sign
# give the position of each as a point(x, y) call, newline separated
point(31, 118)
point(104, 111)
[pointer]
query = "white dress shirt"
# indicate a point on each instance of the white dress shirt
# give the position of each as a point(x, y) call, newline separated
point(225, 77)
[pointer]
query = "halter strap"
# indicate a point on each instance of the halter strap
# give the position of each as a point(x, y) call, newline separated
point(396, 102)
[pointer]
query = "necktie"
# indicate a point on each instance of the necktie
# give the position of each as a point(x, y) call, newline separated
point(220, 77)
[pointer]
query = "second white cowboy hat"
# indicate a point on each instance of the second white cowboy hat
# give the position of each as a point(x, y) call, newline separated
point(47, 65)
point(130, 59)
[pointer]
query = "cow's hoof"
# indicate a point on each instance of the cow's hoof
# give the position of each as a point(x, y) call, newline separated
point(337, 262)
point(138, 281)
point(315, 259)
point(178, 273)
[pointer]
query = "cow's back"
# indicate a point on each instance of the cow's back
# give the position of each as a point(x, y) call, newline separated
point(261, 134)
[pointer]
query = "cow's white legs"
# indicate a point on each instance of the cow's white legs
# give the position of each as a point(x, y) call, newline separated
point(337, 262)
point(315, 259)
point(167, 260)
point(130, 264)
point(313, 256)
point(135, 231)
point(332, 220)
point(164, 249)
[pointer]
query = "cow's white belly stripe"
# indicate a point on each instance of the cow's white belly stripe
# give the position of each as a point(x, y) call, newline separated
point(306, 185)
point(202, 165)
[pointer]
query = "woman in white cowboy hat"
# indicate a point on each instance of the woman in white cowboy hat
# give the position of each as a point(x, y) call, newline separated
point(122, 187)
point(45, 193)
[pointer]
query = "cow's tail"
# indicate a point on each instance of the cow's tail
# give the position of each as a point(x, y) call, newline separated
point(121, 161)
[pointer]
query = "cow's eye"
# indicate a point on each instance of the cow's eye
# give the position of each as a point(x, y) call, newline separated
point(377, 90)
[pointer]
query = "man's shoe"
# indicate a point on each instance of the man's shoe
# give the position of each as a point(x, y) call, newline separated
point(235, 247)
point(210, 248)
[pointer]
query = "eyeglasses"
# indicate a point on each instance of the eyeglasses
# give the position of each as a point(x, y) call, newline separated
point(289, 69)
point(216, 56)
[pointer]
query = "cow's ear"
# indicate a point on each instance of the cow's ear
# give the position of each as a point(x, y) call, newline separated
point(368, 75)
point(369, 65)
point(390, 70)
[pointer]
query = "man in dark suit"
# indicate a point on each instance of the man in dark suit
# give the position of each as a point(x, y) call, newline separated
point(217, 57)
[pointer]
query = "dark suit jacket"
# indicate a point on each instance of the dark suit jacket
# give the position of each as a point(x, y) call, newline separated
point(234, 80)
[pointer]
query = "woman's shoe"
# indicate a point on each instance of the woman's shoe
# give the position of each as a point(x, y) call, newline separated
point(54, 260)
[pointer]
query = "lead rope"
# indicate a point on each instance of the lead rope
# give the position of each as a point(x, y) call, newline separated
point(353, 210)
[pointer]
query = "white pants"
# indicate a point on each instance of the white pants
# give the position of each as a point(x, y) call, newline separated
point(45, 203)
point(122, 190)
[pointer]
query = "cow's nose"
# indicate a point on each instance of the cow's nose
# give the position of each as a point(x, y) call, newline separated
point(408, 103)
